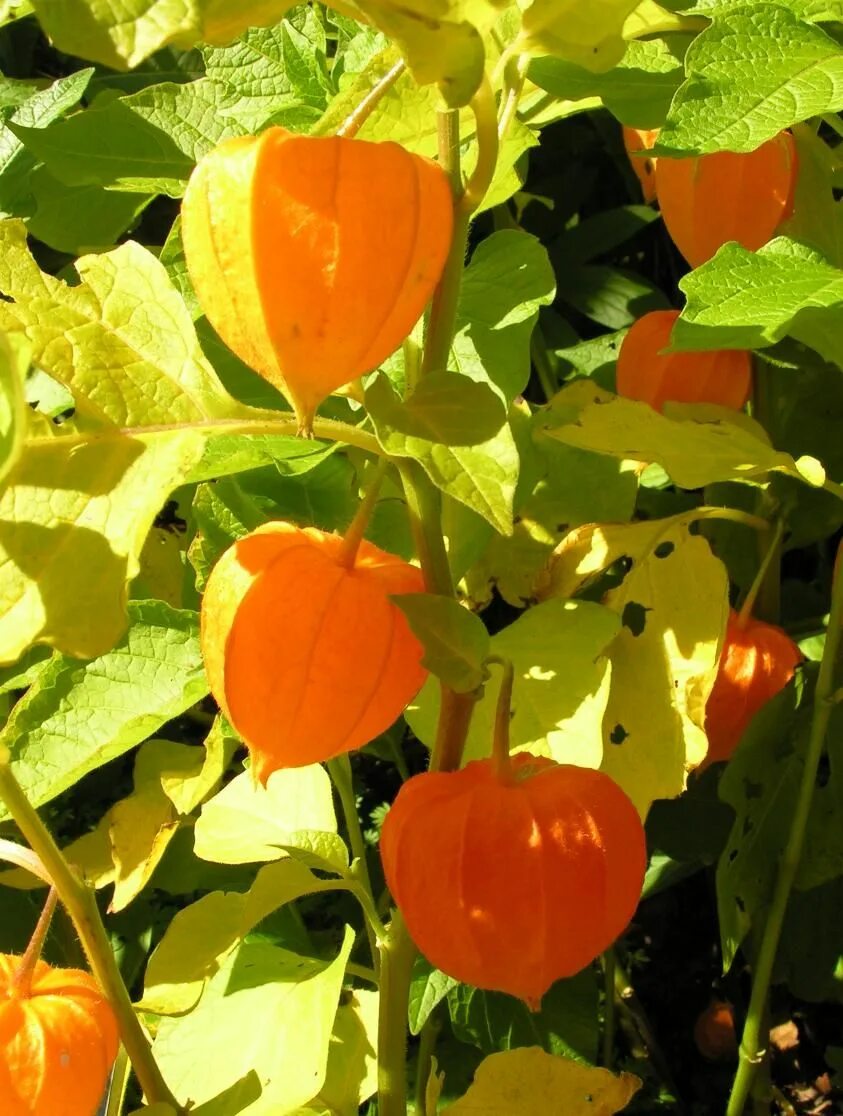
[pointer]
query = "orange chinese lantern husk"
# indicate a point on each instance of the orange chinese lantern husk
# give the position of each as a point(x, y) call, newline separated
point(652, 376)
point(712, 199)
point(307, 657)
point(758, 661)
point(636, 140)
point(714, 1032)
point(511, 886)
point(313, 257)
point(58, 1042)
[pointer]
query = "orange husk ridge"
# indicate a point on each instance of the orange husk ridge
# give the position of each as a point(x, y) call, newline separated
point(712, 199)
point(638, 140)
point(646, 373)
point(314, 257)
point(307, 657)
point(510, 885)
point(58, 1042)
point(757, 662)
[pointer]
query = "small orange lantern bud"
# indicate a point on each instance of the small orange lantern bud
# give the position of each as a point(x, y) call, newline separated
point(652, 376)
point(58, 1041)
point(512, 884)
point(313, 257)
point(714, 1032)
point(712, 199)
point(758, 661)
point(307, 656)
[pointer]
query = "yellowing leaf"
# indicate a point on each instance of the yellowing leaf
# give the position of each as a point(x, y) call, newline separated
point(14, 362)
point(352, 1074)
point(590, 34)
point(528, 1081)
point(141, 826)
point(247, 822)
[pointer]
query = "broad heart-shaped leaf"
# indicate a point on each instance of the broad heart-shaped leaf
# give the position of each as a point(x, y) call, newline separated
point(14, 362)
point(77, 716)
point(444, 407)
point(742, 88)
point(259, 994)
point(100, 217)
point(508, 279)
point(560, 691)
point(293, 813)
point(16, 162)
point(638, 90)
point(673, 604)
point(122, 33)
point(589, 34)
point(526, 1081)
point(207, 930)
point(455, 640)
point(699, 446)
point(814, 11)
point(750, 300)
point(761, 784)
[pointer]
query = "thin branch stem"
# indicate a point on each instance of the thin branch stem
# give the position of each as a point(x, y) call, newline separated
point(357, 528)
point(424, 1063)
point(773, 551)
point(362, 971)
point(752, 1049)
point(80, 903)
point(356, 119)
point(515, 74)
point(608, 1057)
point(340, 771)
point(503, 715)
point(21, 982)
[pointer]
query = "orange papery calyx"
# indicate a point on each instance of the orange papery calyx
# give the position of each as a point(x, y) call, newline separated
point(649, 374)
point(314, 257)
point(305, 652)
point(636, 141)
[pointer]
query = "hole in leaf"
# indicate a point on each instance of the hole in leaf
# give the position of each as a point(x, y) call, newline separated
point(664, 550)
point(634, 617)
point(618, 734)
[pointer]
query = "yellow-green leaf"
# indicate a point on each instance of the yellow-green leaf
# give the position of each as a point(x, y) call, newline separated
point(527, 1081)
point(590, 34)
point(352, 1074)
point(14, 361)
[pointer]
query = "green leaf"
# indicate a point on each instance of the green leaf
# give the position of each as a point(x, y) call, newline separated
point(78, 716)
point(815, 11)
point(455, 640)
point(817, 217)
point(697, 445)
point(567, 1023)
point(79, 219)
point(508, 279)
point(201, 934)
point(444, 407)
point(560, 690)
point(638, 91)
point(260, 993)
point(39, 110)
point(742, 88)
point(750, 300)
point(293, 813)
point(122, 33)
point(589, 34)
point(15, 354)
point(610, 296)
point(428, 989)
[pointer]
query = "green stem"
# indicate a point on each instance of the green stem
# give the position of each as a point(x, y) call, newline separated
point(628, 999)
point(427, 1046)
point(80, 903)
point(542, 364)
point(486, 122)
point(455, 713)
point(515, 74)
point(353, 968)
point(356, 119)
point(397, 956)
point(503, 716)
point(340, 771)
point(424, 508)
point(752, 1049)
point(772, 551)
point(357, 528)
point(119, 1084)
point(608, 1009)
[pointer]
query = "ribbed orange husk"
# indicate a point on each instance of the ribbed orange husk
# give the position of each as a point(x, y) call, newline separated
point(637, 139)
point(652, 376)
point(314, 257)
point(714, 1032)
point(306, 657)
point(511, 886)
point(712, 199)
point(758, 660)
point(58, 1042)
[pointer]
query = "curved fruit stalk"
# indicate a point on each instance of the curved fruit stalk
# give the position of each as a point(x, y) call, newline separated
point(758, 661)
point(712, 199)
point(652, 376)
point(313, 258)
point(58, 1041)
point(637, 139)
point(306, 654)
point(512, 883)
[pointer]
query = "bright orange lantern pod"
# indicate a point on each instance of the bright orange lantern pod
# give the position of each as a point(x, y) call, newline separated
point(712, 199)
point(305, 653)
point(314, 257)
point(635, 140)
point(511, 884)
point(757, 662)
point(58, 1041)
point(647, 373)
